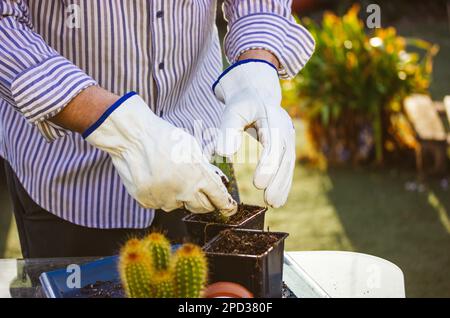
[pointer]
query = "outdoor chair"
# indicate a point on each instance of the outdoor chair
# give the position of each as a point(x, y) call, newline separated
point(447, 111)
point(431, 152)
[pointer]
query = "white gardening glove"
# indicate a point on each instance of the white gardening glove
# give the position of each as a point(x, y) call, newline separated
point(250, 90)
point(161, 166)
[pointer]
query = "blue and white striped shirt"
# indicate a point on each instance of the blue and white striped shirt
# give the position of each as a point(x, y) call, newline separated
point(166, 50)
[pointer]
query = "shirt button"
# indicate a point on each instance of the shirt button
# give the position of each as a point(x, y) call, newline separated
point(161, 66)
point(159, 14)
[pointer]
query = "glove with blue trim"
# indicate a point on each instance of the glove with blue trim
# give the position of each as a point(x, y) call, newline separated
point(161, 166)
point(251, 92)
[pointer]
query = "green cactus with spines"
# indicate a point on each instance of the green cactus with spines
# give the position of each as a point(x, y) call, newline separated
point(149, 270)
point(190, 271)
point(162, 285)
point(136, 270)
point(159, 247)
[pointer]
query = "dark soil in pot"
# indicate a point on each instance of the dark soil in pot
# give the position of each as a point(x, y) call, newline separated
point(251, 258)
point(203, 227)
point(252, 243)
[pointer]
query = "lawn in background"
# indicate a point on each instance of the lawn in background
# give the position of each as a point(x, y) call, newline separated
point(368, 212)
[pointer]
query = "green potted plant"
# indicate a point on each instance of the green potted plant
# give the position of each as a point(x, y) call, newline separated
point(351, 91)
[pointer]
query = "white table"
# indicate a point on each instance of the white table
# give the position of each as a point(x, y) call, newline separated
point(342, 274)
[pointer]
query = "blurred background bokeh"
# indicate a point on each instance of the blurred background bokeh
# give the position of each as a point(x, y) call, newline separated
point(372, 171)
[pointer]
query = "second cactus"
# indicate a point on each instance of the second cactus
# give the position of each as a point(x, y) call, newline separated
point(190, 271)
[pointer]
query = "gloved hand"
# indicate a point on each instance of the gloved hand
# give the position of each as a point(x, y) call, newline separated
point(161, 166)
point(250, 90)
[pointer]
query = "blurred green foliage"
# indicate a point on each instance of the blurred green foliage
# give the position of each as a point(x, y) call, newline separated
point(354, 74)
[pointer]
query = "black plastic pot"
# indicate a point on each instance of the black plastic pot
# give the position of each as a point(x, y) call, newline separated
point(260, 274)
point(201, 232)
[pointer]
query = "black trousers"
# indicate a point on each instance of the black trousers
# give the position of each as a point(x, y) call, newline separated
point(44, 235)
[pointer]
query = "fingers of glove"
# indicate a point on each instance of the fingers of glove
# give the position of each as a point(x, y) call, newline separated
point(200, 204)
point(277, 192)
point(217, 193)
point(273, 149)
point(233, 124)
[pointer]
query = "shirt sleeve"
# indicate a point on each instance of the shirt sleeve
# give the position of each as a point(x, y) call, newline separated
point(269, 25)
point(35, 79)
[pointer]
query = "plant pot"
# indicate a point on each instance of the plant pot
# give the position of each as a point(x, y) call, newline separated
point(201, 231)
point(261, 272)
point(226, 290)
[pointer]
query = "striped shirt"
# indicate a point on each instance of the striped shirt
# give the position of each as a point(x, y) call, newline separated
point(166, 50)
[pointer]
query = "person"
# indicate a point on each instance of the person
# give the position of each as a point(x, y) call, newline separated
point(100, 106)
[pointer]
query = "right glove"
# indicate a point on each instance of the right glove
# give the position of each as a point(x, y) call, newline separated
point(251, 92)
point(161, 166)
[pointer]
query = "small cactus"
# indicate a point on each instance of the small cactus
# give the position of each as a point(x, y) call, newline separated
point(135, 269)
point(227, 169)
point(190, 271)
point(148, 270)
point(231, 185)
point(159, 247)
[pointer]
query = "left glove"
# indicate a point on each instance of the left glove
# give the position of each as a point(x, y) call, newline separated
point(160, 165)
point(251, 92)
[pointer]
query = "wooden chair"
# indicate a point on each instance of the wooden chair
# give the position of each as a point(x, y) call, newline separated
point(431, 152)
point(447, 110)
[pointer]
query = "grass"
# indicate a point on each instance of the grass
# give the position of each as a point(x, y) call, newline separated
point(369, 212)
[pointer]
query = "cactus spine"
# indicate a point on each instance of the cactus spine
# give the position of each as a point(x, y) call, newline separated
point(190, 271)
point(159, 248)
point(162, 285)
point(135, 269)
